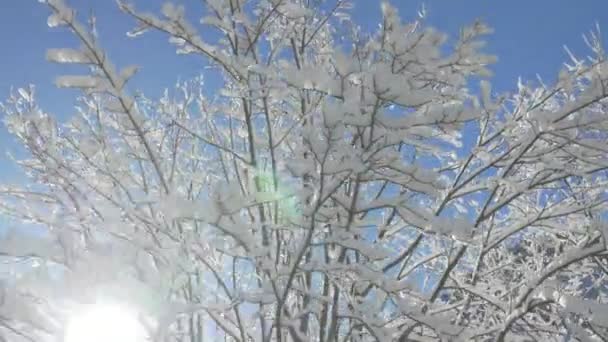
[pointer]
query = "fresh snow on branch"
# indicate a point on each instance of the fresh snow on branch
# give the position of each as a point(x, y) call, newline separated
point(320, 191)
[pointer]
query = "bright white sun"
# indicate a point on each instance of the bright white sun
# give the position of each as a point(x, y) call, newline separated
point(104, 323)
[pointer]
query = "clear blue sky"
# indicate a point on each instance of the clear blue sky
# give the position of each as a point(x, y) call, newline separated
point(528, 39)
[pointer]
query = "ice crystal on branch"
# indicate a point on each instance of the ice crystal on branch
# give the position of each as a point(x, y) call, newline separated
point(321, 192)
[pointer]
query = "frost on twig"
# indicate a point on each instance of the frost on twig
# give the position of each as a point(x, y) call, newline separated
point(318, 191)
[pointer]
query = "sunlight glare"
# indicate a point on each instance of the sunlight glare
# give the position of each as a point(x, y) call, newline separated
point(104, 323)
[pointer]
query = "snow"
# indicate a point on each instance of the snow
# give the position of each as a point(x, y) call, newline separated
point(77, 81)
point(67, 56)
point(194, 227)
point(591, 310)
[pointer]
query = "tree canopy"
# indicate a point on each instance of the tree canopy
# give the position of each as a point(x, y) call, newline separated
point(330, 185)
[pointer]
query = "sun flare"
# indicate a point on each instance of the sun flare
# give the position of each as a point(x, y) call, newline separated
point(104, 323)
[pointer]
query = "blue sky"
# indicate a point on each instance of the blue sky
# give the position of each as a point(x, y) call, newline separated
point(528, 39)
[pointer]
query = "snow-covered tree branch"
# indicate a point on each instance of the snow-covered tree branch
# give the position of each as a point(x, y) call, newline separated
point(324, 191)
